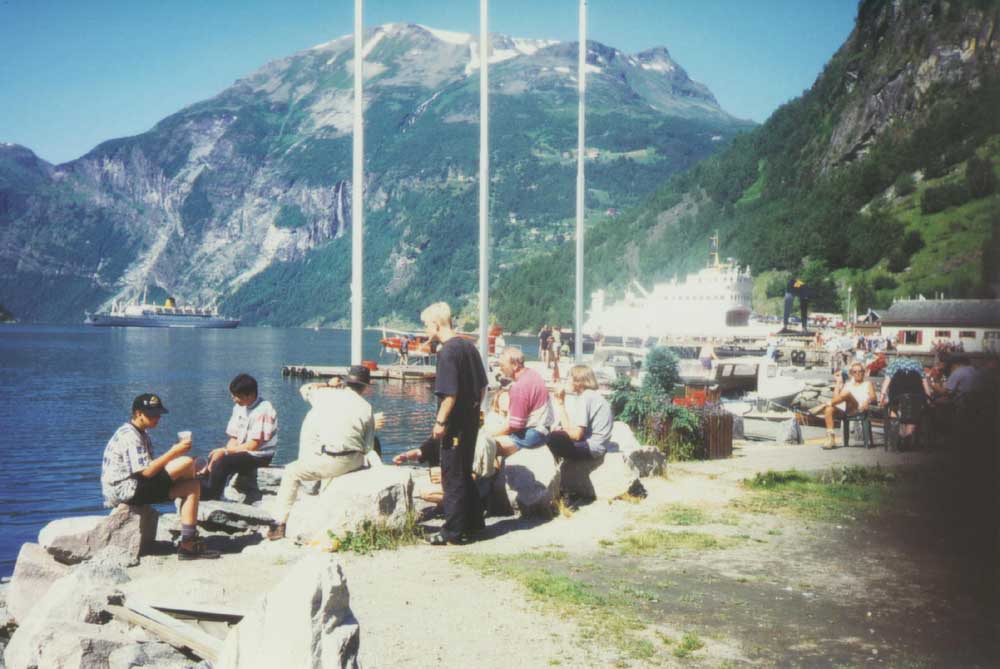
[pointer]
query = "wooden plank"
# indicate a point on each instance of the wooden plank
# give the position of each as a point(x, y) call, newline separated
point(170, 630)
point(201, 613)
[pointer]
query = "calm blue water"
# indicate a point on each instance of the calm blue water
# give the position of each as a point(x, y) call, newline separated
point(64, 391)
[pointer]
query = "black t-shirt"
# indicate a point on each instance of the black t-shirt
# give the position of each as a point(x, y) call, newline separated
point(460, 374)
point(798, 287)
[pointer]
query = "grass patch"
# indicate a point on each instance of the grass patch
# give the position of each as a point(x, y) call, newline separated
point(649, 542)
point(688, 644)
point(847, 492)
point(600, 617)
point(680, 514)
point(370, 537)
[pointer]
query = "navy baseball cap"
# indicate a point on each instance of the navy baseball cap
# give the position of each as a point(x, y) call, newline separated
point(150, 404)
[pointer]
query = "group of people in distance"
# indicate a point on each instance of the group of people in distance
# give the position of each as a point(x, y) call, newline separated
point(339, 430)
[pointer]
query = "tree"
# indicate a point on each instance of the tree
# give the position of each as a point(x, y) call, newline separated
point(979, 177)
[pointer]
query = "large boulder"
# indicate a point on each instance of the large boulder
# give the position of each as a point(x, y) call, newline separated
point(148, 654)
point(531, 479)
point(65, 628)
point(382, 495)
point(604, 478)
point(74, 540)
point(68, 645)
point(231, 517)
point(34, 573)
point(306, 621)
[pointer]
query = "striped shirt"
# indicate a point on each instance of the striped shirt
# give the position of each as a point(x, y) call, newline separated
point(128, 452)
point(257, 421)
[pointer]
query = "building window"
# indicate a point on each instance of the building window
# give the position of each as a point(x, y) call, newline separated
point(967, 334)
point(912, 337)
point(942, 333)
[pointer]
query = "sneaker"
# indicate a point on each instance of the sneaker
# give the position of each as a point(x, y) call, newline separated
point(831, 441)
point(445, 537)
point(195, 550)
point(276, 532)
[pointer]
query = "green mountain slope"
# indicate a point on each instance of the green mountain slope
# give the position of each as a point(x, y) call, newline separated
point(881, 178)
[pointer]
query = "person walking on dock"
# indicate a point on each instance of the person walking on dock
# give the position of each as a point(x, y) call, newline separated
point(251, 430)
point(130, 474)
point(336, 434)
point(460, 386)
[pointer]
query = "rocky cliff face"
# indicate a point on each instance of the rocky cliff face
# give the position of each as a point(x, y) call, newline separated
point(244, 199)
point(898, 55)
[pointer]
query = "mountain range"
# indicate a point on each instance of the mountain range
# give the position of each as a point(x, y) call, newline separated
point(244, 200)
point(878, 183)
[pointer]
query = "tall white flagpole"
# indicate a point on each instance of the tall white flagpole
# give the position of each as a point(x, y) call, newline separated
point(580, 185)
point(484, 183)
point(357, 187)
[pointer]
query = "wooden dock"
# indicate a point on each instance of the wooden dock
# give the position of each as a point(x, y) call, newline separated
point(402, 372)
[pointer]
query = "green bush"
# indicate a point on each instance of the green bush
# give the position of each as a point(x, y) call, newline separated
point(898, 261)
point(912, 242)
point(904, 185)
point(661, 371)
point(939, 198)
point(979, 177)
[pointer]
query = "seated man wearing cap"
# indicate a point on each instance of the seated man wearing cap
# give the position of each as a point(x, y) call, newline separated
point(131, 475)
point(336, 434)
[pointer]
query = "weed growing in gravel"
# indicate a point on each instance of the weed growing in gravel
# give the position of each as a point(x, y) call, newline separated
point(655, 542)
point(370, 537)
point(689, 643)
point(831, 496)
point(680, 514)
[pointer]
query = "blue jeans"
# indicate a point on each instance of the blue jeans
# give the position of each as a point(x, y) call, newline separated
point(528, 438)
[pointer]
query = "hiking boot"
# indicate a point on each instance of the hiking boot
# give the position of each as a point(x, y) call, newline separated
point(276, 532)
point(445, 537)
point(194, 549)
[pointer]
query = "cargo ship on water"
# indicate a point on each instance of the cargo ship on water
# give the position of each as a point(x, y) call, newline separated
point(169, 315)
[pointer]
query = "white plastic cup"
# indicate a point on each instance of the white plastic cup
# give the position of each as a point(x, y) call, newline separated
point(184, 435)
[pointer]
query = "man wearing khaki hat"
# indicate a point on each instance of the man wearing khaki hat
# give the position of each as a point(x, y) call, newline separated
point(336, 434)
point(131, 475)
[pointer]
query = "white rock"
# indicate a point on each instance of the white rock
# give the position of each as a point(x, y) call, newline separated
point(269, 478)
point(152, 655)
point(231, 516)
point(73, 540)
point(602, 478)
point(378, 494)
point(67, 645)
point(52, 635)
point(306, 621)
point(34, 573)
point(622, 435)
point(531, 478)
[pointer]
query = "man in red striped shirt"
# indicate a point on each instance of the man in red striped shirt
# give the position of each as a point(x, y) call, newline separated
point(530, 409)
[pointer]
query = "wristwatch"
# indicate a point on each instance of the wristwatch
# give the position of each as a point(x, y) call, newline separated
point(437, 422)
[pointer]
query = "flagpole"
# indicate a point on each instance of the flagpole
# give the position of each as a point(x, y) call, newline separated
point(357, 188)
point(484, 183)
point(580, 185)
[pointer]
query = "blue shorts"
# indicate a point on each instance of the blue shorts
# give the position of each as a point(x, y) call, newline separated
point(528, 438)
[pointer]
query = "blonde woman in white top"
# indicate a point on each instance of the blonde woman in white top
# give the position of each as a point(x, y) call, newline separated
point(854, 397)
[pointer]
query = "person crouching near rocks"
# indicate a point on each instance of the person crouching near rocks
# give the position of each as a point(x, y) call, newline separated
point(585, 420)
point(530, 409)
point(250, 430)
point(336, 434)
point(131, 475)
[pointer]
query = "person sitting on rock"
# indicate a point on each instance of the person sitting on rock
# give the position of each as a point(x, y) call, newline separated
point(530, 409)
point(251, 431)
point(584, 418)
point(130, 474)
point(855, 396)
point(336, 434)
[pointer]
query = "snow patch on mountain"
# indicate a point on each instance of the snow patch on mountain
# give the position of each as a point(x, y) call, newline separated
point(449, 36)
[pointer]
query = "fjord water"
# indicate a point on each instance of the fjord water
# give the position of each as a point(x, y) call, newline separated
point(64, 391)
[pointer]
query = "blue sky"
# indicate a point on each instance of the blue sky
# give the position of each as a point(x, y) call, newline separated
point(76, 73)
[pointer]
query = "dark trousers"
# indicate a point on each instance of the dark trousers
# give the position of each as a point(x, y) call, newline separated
point(462, 509)
point(225, 468)
point(563, 447)
point(803, 309)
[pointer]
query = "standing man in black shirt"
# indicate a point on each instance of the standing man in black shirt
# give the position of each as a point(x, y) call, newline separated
point(460, 386)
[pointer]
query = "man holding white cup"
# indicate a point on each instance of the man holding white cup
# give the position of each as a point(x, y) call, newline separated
point(131, 475)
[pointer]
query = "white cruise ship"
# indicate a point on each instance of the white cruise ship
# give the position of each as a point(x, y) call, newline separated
point(713, 301)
